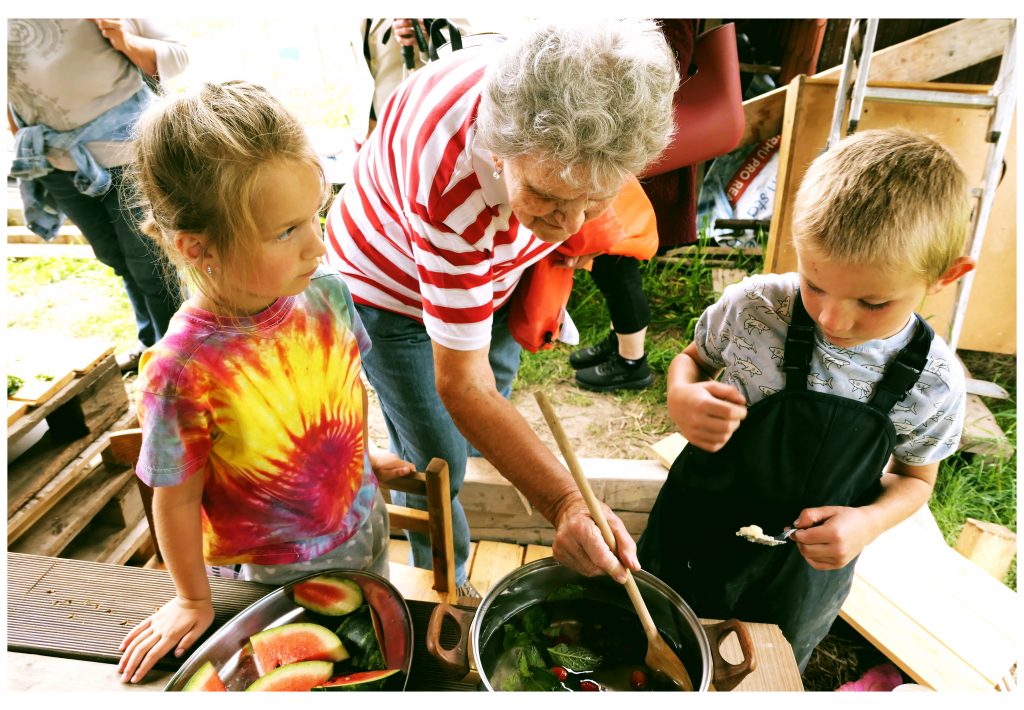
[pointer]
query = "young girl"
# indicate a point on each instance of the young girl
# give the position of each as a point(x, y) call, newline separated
point(251, 406)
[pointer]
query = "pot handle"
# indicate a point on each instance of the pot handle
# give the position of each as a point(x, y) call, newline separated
point(455, 659)
point(728, 675)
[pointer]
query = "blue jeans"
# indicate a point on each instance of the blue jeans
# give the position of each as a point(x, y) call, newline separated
point(400, 367)
point(109, 225)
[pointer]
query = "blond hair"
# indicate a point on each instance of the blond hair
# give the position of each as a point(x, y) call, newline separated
point(891, 197)
point(199, 159)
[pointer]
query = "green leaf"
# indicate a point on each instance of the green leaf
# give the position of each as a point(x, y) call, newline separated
point(512, 682)
point(567, 591)
point(533, 657)
point(535, 620)
point(541, 679)
point(575, 658)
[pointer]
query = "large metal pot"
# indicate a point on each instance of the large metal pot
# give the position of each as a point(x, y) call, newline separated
point(696, 644)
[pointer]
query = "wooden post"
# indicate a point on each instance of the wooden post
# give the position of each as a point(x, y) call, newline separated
point(990, 546)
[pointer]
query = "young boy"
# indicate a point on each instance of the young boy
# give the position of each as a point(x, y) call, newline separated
point(836, 402)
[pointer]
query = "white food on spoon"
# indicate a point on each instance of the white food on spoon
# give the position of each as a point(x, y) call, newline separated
point(754, 533)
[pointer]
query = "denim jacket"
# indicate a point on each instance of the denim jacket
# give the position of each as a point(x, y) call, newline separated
point(42, 215)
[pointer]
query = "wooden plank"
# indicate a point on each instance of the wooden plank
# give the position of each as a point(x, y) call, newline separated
point(667, 450)
point(53, 492)
point(982, 434)
point(110, 543)
point(68, 234)
point(905, 642)
point(398, 551)
point(957, 614)
point(990, 323)
point(414, 583)
point(988, 545)
point(535, 552)
point(31, 472)
point(535, 529)
point(15, 410)
point(930, 56)
point(409, 519)
point(54, 532)
point(493, 561)
point(66, 251)
point(36, 391)
point(31, 672)
point(721, 278)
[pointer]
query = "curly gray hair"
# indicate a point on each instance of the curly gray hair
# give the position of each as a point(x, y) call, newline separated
point(595, 98)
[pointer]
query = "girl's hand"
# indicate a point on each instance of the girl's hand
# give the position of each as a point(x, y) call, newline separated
point(386, 466)
point(706, 412)
point(404, 32)
point(114, 31)
point(831, 536)
point(177, 624)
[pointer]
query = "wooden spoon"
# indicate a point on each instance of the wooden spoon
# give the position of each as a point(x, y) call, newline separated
point(660, 658)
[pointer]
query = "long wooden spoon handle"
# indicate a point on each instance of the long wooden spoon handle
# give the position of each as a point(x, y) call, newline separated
point(575, 469)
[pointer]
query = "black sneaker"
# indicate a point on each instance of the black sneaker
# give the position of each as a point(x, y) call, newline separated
point(594, 354)
point(616, 373)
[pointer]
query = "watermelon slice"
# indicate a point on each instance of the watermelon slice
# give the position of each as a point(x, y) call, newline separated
point(327, 595)
point(295, 676)
point(367, 680)
point(359, 634)
point(206, 678)
point(292, 643)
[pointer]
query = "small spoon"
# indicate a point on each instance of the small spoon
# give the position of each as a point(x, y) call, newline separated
point(660, 658)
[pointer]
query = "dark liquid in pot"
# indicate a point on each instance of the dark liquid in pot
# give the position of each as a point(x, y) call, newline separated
point(588, 629)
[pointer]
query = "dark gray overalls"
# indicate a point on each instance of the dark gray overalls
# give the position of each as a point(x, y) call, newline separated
point(796, 449)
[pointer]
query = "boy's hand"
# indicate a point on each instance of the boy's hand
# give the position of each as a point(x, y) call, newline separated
point(177, 624)
point(386, 466)
point(831, 536)
point(707, 412)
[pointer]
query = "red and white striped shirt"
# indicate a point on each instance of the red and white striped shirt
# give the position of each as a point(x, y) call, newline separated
point(424, 229)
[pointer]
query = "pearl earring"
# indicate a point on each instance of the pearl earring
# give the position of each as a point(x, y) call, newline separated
point(497, 172)
point(209, 270)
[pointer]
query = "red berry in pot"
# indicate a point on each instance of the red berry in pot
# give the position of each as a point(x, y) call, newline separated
point(589, 685)
point(559, 673)
point(638, 680)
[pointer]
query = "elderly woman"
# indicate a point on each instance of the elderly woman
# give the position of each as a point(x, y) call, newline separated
point(480, 165)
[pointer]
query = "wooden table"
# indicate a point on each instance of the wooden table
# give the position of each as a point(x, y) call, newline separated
point(112, 598)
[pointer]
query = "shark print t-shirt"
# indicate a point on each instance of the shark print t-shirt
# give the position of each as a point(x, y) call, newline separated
point(269, 410)
point(745, 333)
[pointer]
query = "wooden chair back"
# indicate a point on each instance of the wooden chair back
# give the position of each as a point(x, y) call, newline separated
point(433, 483)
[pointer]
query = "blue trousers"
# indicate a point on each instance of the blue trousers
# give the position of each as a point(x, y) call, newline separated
point(400, 367)
point(109, 225)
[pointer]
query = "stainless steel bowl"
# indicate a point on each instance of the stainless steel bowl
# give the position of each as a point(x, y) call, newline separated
point(225, 648)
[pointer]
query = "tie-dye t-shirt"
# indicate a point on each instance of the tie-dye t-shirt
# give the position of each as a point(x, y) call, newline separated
point(268, 409)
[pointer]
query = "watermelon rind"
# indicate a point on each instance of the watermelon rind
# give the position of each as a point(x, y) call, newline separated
point(359, 634)
point(327, 595)
point(366, 680)
point(301, 676)
point(205, 679)
point(293, 643)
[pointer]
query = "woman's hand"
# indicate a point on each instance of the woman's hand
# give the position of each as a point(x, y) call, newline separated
point(706, 412)
point(584, 261)
point(177, 624)
point(831, 536)
point(386, 466)
point(404, 31)
point(578, 543)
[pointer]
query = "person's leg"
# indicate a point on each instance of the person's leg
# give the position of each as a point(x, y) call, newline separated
point(147, 276)
point(400, 368)
point(620, 281)
point(90, 215)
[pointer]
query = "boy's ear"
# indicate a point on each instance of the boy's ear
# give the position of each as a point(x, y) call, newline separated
point(192, 246)
point(961, 267)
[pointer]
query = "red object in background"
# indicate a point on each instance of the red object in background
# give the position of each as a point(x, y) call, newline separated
point(559, 673)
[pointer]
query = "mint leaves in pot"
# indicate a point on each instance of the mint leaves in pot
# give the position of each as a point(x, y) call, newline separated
point(577, 659)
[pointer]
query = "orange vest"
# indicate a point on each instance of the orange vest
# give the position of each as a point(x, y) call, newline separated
point(627, 228)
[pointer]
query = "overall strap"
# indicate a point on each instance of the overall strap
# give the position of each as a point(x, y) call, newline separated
point(905, 370)
point(799, 346)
